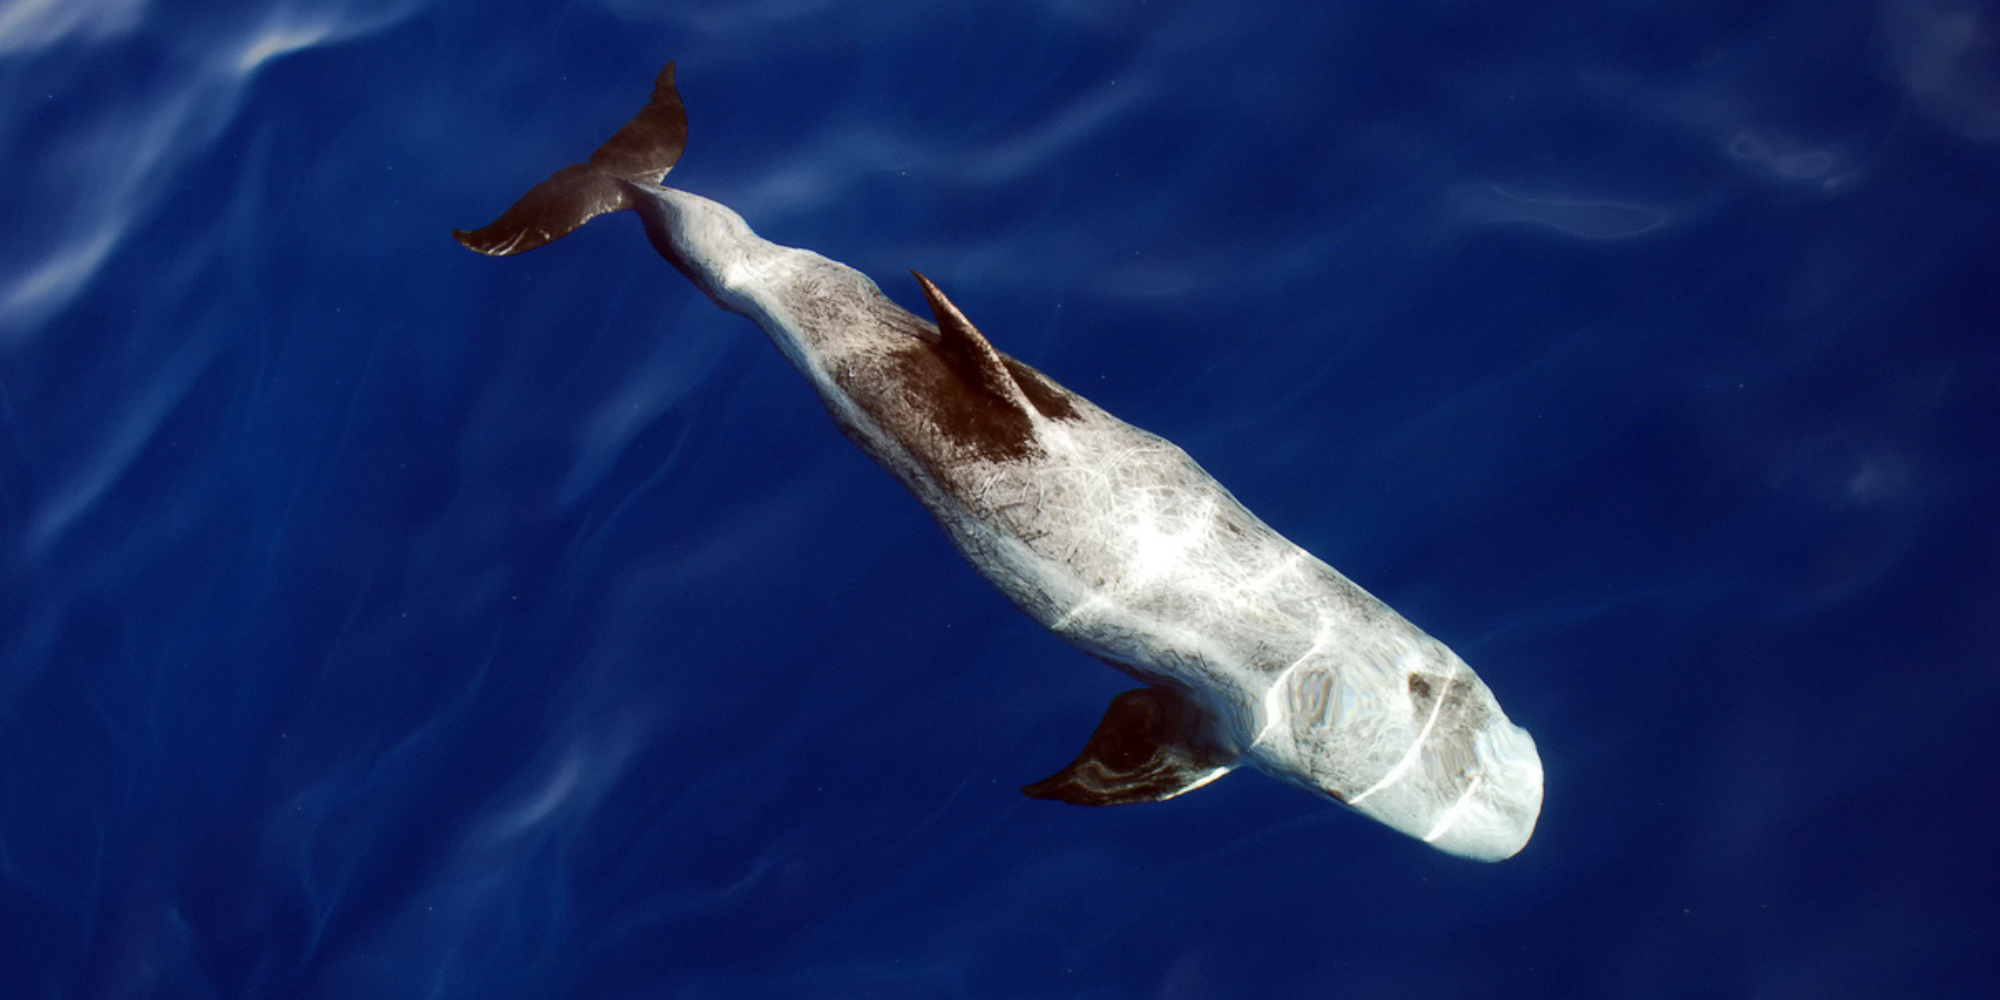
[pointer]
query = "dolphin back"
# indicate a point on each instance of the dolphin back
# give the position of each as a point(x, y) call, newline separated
point(640, 153)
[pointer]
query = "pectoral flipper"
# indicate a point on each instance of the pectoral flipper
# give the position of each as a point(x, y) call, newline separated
point(1152, 744)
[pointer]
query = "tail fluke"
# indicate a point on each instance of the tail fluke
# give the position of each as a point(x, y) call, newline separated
point(550, 211)
point(643, 151)
point(649, 145)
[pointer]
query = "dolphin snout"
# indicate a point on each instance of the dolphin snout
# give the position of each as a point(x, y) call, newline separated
point(1494, 817)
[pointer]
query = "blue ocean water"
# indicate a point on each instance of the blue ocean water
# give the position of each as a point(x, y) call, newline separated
point(380, 620)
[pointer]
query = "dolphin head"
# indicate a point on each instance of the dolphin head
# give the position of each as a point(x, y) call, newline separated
point(1396, 726)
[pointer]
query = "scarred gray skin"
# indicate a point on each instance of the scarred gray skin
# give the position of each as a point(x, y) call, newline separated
point(1114, 539)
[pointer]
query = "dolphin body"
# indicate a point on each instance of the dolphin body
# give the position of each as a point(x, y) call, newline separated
point(1253, 652)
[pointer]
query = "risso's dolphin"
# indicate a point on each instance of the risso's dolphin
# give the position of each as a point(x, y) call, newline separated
point(1252, 651)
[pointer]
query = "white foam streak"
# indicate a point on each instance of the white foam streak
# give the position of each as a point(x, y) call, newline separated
point(30, 25)
point(280, 40)
point(568, 789)
point(715, 15)
point(63, 273)
point(1941, 51)
point(1572, 215)
point(107, 171)
point(107, 463)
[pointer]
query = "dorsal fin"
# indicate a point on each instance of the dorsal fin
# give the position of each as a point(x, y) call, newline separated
point(968, 352)
point(1152, 744)
point(642, 152)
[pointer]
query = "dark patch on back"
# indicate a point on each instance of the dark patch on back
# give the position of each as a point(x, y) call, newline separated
point(958, 408)
point(952, 397)
point(1048, 398)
